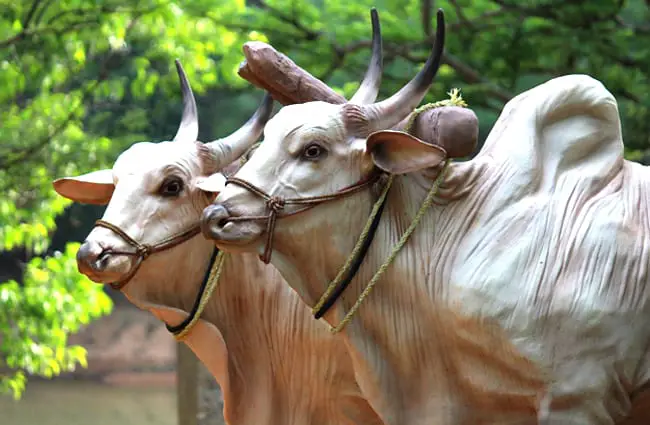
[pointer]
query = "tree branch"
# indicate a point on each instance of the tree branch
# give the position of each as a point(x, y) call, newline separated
point(30, 14)
point(78, 13)
point(641, 29)
point(103, 74)
point(541, 11)
point(472, 76)
point(245, 27)
point(45, 30)
point(41, 12)
point(466, 72)
point(425, 13)
point(310, 35)
point(461, 16)
point(550, 11)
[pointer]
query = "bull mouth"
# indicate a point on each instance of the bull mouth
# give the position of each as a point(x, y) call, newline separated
point(107, 268)
point(217, 226)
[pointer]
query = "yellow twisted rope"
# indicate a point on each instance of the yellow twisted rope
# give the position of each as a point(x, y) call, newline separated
point(364, 235)
point(427, 203)
point(213, 282)
point(454, 100)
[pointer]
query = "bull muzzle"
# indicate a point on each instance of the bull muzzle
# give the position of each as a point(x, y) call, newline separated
point(223, 226)
point(214, 221)
point(91, 259)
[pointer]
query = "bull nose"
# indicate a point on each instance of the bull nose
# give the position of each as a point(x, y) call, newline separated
point(213, 220)
point(89, 258)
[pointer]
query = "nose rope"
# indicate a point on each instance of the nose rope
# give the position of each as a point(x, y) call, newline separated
point(208, 285)
point(143, 251)
point(275, 205)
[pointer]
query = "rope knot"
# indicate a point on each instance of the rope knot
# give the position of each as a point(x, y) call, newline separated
point(275, 203)
point(143, 251)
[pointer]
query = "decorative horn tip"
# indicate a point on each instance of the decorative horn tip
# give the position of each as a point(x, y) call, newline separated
point(376, 27)
point(181, 73)
point(440, 18)
point(439, 42)
point(377, 43)
point(188, 129)
point(179, 67)
point(369, 88)
point(374, 15)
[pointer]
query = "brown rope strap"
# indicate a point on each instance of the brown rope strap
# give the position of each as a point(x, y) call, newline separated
point(276, 204)
point(142, 251)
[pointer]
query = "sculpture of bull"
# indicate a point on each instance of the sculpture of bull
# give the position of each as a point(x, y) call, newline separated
point(521, 297)
point(274, 364)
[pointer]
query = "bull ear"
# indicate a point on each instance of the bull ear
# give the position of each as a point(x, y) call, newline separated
point(397, 152)
point(212, 184)
point(92, 188)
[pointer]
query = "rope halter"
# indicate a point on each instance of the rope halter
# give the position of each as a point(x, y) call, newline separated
point(275, 205)
point(143, 251)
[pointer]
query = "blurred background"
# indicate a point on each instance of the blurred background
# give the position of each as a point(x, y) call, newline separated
point(80, 81)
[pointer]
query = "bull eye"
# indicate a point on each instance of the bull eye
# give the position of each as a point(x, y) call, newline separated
point(313, 152)
point(171, 187)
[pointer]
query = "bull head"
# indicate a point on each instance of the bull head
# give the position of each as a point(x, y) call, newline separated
point(158, 180)
point(319, 148)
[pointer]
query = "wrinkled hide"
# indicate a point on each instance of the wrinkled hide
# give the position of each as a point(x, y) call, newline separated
point(521, 297)
point(273, 362)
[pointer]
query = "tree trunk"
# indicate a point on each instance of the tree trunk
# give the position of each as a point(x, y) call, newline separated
point(187, 368)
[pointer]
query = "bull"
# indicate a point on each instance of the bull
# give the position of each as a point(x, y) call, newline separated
point(273, 363)
point(520, 292)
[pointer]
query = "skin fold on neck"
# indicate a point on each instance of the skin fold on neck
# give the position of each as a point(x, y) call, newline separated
point(277, 365)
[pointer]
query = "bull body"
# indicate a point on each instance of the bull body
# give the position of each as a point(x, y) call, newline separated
point(521, 297)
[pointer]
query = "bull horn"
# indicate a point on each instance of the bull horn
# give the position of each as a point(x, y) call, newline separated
point(360, 121)
point(231, 147)
point(188, 130)
point(369, 88)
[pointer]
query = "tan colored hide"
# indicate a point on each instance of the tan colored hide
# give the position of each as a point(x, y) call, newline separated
point(521, 297)
point(273, 362)
point(525, 292)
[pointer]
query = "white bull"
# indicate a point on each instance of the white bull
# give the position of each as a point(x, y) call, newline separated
point(522, 295)
point(273, 363)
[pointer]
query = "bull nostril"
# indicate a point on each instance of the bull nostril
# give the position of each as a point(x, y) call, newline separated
point(91, 256)
point(102, 260)
point(103, 256)
point(213, 219)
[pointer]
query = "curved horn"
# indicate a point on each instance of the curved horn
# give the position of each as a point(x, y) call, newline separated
point(229, 148)
point(188, 130)
point(369, 88)
point(363, 120)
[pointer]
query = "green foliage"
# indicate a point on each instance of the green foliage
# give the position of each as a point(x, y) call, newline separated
point(494, 48)
point(37, 317)
point(82, 80)
point(77, 82)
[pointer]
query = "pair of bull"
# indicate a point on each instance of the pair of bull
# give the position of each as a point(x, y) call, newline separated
point(521, 296)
